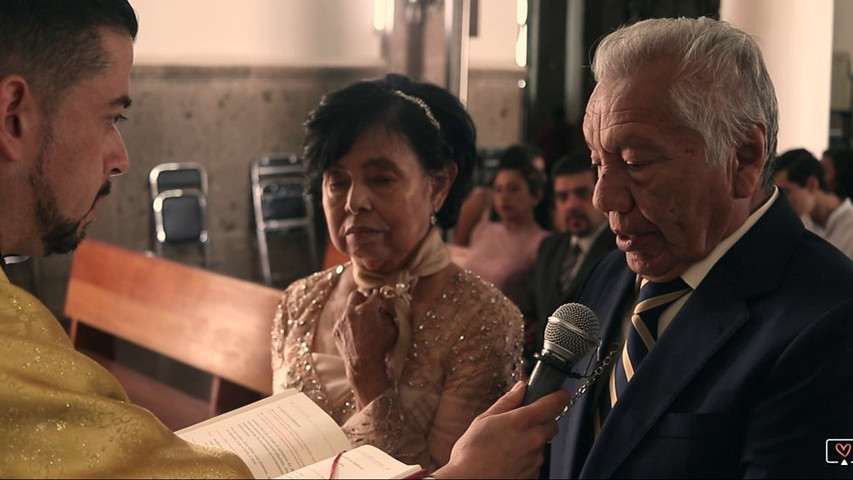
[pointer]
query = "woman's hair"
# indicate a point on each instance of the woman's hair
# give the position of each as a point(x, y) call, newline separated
point(721, 86)
point(520, 159)
point(432, 120)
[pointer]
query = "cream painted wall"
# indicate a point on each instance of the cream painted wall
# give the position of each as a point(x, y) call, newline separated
point(257, 32)
point(292, 33)
point(842, 38)
point(796, 39)
point(494, 45)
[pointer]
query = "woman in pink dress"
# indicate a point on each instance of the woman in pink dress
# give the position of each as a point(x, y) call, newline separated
point(504, 252)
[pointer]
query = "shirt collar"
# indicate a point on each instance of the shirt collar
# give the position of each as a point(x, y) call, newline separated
point(839, 212)
point(698, 271)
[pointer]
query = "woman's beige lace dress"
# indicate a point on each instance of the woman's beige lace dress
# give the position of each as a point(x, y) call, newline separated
point(465, 354)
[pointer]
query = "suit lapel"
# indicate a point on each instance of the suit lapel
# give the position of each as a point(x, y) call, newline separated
point(713, 313)
point(604, 242)
point(705, 323)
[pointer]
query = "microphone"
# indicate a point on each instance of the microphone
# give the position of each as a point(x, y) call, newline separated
point(571, 333)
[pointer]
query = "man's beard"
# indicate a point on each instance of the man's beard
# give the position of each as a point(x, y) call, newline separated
point(61, 235)
point(58, 233)
point(583, 226)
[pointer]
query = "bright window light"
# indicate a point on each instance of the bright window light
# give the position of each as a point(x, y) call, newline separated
point(383, 15)
point(521, 46)
point(521, 12)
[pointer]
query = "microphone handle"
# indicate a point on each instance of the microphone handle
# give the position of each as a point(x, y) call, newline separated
point(547, 377)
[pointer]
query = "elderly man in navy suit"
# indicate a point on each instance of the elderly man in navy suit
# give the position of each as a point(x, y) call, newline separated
point(727, 329)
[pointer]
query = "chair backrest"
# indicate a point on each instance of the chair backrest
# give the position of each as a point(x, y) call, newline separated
point(276, 165)
point(13, 259)
point(281, 198)
point(281, 207)
point(177, 176)
point(487, 165)
point(218, 324)
point(277, 189)
point(180, 216)
point(179, 205)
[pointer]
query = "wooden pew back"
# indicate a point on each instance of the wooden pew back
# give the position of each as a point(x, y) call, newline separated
point(212, 322)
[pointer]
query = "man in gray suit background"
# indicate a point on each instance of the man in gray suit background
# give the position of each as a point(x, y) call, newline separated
point(564, 259)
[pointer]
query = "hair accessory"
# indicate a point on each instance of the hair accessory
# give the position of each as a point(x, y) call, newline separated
point(423, 106)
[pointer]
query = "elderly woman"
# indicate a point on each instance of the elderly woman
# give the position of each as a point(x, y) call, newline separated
point(402, 347)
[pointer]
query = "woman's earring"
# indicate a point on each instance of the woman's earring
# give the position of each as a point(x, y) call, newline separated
point(432, 220)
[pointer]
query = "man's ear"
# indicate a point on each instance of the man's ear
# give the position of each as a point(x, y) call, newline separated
point(812, 184)
point(441, 183)
point(14, 96)
point(749, 162)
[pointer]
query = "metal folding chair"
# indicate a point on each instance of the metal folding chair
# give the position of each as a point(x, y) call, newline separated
point(282, 211)
point(178, 175)
point(179, 204)
point(487, 165)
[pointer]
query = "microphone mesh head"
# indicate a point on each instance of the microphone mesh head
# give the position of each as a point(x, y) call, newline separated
point(571, 332)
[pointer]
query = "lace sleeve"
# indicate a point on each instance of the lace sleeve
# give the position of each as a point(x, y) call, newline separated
point(384, 423)
point(484, 363)
point(285, 312)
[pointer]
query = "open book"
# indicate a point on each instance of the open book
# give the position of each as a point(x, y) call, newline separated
point(289, 436)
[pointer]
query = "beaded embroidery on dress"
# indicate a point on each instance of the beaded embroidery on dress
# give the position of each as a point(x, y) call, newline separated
point(465, 353)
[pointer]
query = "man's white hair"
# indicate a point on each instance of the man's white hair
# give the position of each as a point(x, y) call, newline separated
point(721, 86)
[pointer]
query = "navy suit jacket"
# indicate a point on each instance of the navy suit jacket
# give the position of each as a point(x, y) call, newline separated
point(750, 379)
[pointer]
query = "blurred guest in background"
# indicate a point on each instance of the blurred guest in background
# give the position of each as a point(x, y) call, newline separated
point(563, 260)
point(402, 347)
point(504, 252)
point(555, 137)
point(479, 202)
point(800, 175)
point(838, 170)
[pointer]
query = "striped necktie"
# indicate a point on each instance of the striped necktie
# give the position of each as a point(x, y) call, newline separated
point(653, 300)
point(567, 268)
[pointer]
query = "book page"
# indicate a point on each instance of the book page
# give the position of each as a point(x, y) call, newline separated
point(365, 461)
point(273, 436)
